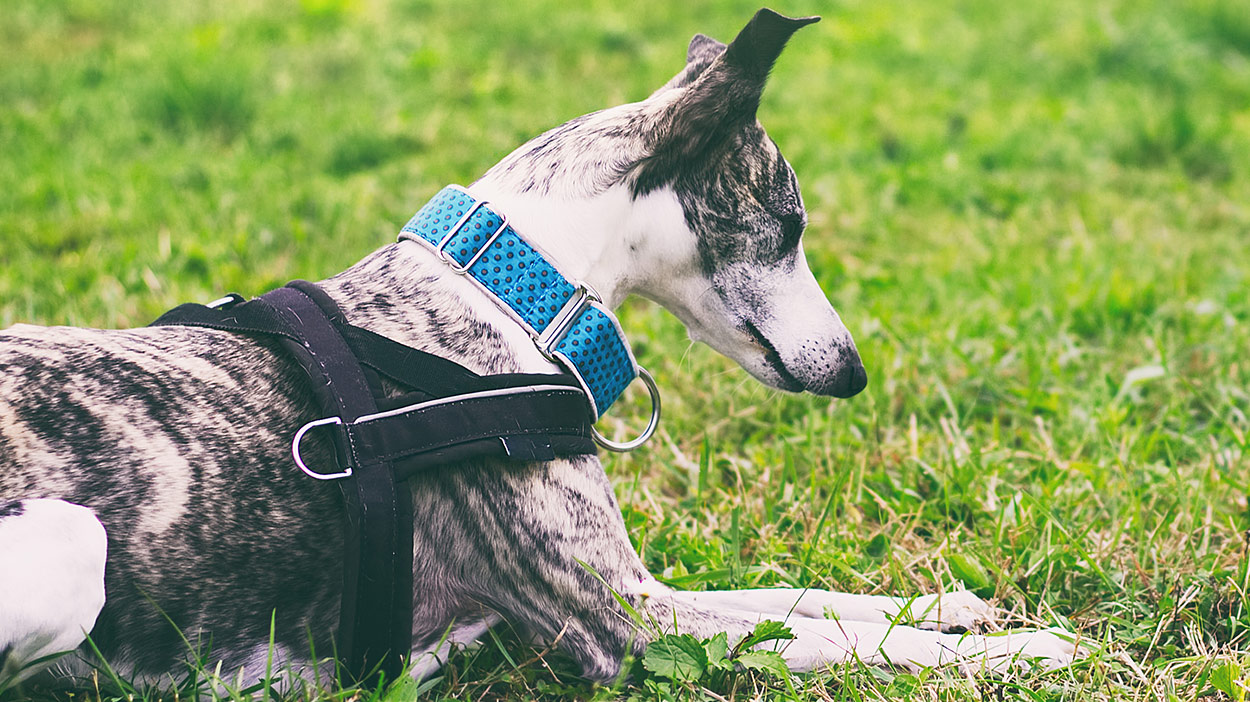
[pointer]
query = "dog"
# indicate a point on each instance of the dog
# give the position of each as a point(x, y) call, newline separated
point(148, 493)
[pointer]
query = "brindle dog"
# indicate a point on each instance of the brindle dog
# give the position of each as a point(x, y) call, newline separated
point(148, 491)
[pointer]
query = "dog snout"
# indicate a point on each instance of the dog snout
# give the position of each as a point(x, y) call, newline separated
point(850, 380)
point(840, 375)
point(835, 371)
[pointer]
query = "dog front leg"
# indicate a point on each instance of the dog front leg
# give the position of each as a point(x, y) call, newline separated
point(819, 643)
point(959, 610)
point(541, 545)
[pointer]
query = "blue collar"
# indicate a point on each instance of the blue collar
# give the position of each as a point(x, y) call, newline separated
point(565, 318)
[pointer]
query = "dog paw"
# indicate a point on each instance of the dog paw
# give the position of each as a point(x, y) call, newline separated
point(1017, 649)
point(820, 643)
point(951, 611)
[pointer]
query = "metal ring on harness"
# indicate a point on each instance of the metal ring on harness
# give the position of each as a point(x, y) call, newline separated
point(299, 461)
point(622, 447)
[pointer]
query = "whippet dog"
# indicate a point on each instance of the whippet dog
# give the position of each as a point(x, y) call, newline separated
point(148, 493)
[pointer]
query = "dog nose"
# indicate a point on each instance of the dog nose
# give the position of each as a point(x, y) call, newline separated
point(851, 379)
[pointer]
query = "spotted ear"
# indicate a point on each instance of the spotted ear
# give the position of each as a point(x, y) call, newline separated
point(722, 90)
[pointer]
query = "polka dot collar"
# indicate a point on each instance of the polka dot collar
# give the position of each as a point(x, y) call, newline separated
point(566, 319)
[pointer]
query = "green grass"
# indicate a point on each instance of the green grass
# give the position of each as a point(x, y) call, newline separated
point(1034, 217)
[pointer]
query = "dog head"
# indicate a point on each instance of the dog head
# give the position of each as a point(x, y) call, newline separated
point(715, 218)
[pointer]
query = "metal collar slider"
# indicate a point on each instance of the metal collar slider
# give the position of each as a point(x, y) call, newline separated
point(451, 234)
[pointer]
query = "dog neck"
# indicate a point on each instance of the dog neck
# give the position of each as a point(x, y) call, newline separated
point(614, 242)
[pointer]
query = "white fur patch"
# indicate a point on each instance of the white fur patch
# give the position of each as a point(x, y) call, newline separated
point(51, 581)
point(611, 240)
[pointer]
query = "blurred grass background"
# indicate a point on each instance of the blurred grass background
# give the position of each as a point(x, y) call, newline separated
point(1034, 217)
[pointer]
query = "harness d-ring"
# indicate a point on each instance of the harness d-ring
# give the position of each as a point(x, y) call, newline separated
point(299, 460)
point(651, 426)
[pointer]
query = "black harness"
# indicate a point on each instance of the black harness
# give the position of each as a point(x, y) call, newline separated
point(445, 414)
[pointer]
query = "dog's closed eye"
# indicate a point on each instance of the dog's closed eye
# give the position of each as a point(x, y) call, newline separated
point(791, 229)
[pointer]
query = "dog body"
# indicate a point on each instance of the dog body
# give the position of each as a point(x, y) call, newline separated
point(176, 440)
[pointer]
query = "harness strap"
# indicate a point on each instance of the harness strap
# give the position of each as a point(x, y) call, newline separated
point(377, 563)
point(449, 414)
point(525, 423)
point(413, 368)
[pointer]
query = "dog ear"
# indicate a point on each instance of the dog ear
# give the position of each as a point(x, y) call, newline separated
point(722, 90)
point(702, 52)
point(757, 46)
point(703, 49)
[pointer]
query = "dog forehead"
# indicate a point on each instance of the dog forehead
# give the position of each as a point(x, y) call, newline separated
point(740, 207)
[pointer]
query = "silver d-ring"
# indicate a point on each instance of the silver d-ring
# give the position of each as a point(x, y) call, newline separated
point(651, 426)
point(299, 460)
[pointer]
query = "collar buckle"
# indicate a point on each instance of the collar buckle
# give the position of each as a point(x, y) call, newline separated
point(564, 320)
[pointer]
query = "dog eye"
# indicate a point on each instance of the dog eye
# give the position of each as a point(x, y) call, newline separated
point(791, 230)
